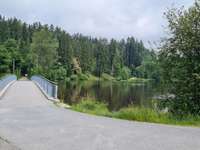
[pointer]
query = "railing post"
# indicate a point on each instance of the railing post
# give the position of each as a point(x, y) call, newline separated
point(55, 91)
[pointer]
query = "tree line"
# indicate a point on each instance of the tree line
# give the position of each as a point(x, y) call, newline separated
point(51, 51)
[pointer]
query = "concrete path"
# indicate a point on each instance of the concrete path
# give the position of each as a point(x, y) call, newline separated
point(30, 122)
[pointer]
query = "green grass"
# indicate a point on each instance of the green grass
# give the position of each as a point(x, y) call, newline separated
point(83, 77)
point(135, 114)
point(74, 77)
point(137, 80)
point(141, 114)
point(92, 77)
point(107, 77)
point(91, 107)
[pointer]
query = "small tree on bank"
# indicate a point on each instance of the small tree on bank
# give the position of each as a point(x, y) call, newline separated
point(180, 59)
point(43, 50)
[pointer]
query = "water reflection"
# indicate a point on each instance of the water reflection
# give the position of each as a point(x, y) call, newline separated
point(115, 94)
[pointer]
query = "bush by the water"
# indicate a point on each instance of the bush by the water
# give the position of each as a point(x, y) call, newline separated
point(82, 76)
point(141, 114)
point(92, 107)
point(125, 73)
point(74, 77)
point(137, 80)
point(180, 59)
point(106, 76)
point(135, 113)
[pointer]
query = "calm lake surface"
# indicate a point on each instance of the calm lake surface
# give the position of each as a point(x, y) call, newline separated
point(116, 94)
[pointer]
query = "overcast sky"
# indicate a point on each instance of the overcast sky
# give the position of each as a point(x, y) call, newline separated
point(118, 19)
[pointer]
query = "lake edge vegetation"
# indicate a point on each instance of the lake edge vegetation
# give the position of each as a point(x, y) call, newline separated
point(134, 113)
point(180, 60)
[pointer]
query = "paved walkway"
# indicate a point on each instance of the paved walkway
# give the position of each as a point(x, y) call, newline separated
point(30, 122)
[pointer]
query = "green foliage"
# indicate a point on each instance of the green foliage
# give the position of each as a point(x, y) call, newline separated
point(18, 73)
point(43, 48)
point(106, 76)
point(74, 77)
point(57, 74)
point(112, 55)
point(101, 56)
point(180, 59)
point(65, 51)
point(10, 55)
point(40, 49)
point(92, 77)
point(141, 114)
point(5, 60)
point(135, 113)
point(149, 68)
point(125, 73)
point(91, 107)
point(150, 115)
point(137, 80)
point(82, 76)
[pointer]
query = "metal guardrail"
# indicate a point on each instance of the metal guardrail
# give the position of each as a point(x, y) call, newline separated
point(49, 87)
point(4, 81)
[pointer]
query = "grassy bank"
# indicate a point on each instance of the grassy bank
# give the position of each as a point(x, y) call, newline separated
point(83, 77)
point(105, 77)
point(137, 80)
point(135, 113)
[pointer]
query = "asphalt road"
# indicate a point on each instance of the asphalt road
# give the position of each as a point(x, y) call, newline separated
point(5, 145)
point(30, 122)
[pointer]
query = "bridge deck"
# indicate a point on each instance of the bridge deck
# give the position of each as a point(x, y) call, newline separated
point(31, 122)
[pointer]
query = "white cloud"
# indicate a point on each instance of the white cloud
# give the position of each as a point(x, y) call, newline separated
point(142, 19)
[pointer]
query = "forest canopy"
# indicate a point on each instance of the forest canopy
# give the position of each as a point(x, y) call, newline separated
point(54, 53)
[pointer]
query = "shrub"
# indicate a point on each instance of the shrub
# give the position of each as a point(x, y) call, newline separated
point(137, 80)
point(179, 59)
point(82, 76)
point(91, 107)
point(135, 113)
point(125, 73)
point(141, 114)
point(74, 77)
point(106, 76)
point(58, 73)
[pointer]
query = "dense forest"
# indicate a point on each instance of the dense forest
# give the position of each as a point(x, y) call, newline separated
point(54, 53)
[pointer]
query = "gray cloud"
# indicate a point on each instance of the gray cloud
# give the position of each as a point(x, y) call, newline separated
point(118, 19)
